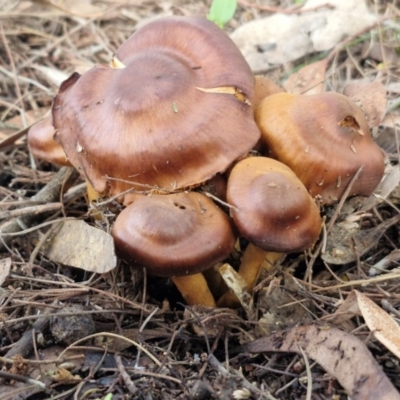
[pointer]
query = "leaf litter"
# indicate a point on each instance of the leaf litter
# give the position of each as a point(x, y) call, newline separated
point(132, 312)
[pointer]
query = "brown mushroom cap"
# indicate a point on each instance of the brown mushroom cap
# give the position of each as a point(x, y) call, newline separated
point(273, 209)
point(324, 138)
point(42, 144)
point(263, 88)
point(173, 235)
point(173, 112)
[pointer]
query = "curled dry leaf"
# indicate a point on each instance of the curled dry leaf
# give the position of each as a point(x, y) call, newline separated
point(341, 354)
point(79, 245)
point(370, 97)
point(380, 323)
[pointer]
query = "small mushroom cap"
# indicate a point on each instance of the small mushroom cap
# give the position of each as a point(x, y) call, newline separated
point(263, 88)
point(273, 209)
point(173, 235)
point(324, 138)
point(172, 110)
point(42, 144)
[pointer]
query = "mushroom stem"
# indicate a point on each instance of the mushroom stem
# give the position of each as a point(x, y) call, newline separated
point(92, 195)
point(91, 192)
point(250, 268)
point(194, 289)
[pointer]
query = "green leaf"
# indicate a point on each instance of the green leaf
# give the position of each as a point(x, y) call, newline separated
point(221, 11)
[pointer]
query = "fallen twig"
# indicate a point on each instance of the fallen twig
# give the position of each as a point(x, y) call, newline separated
point(31, 211)
point(49, 194)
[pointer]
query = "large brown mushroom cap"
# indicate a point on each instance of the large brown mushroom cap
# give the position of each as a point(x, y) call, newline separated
point(173, 235)
point(174, 111)
point(42, 144)
point(273, 209)
point(324, 139)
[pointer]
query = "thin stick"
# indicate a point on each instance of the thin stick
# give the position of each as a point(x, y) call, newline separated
point(20, 378)
point(309, 376)
point(32, 210)
point(141, 330)
point(15, 76)
point(126, 378)
point(113, 335)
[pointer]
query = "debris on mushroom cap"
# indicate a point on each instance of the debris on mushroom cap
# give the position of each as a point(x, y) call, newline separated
point(272, 208)
point(324, 139)
point(171, 110)
point(42, 144)
point(173, 235)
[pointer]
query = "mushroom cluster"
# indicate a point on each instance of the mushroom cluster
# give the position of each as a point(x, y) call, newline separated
point(177, 107)
point(170, 111)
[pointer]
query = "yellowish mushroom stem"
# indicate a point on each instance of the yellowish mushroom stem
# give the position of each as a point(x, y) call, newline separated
point(194, 290)
point(253, 260)
point(92, 195)
point(91, 192)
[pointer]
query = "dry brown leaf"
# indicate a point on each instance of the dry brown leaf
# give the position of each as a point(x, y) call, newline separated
point(347, 310)
point(5, 266)
point(341, 354)
point(64, 376)
point(371, 97)
point(380, 323)
point(308, 80)
point(80, 245)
